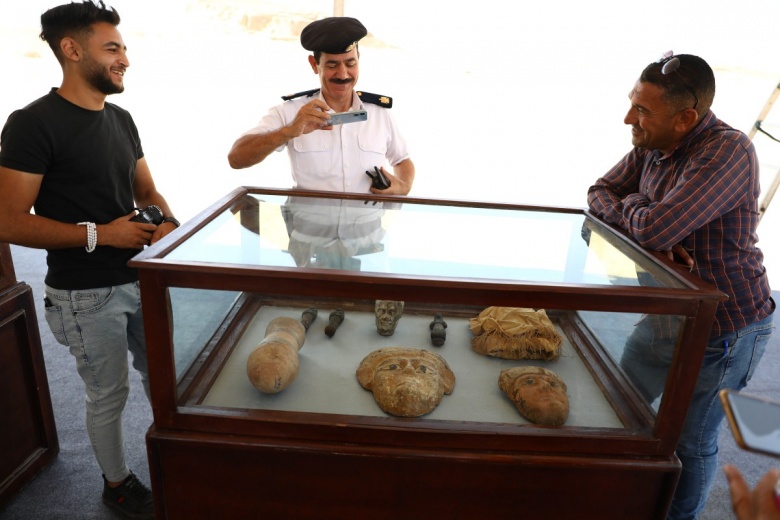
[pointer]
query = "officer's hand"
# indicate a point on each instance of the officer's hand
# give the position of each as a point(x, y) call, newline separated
point(397, 186)
point(311, 116)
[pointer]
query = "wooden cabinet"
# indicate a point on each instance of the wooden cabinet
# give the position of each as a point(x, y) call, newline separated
point(322, 448)
point(28, 438)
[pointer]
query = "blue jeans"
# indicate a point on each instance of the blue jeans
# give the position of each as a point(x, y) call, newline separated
point(646, 361)
point(100, 326)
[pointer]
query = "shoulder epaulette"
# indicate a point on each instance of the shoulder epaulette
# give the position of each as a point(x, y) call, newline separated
point(307, 93)
point(376, 99)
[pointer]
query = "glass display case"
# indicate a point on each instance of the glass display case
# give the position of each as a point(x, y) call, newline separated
point(323, 447)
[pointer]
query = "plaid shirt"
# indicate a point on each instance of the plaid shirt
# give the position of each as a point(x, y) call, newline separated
point(704, 196)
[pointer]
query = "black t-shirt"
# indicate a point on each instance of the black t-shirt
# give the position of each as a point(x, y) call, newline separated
point(87, 159)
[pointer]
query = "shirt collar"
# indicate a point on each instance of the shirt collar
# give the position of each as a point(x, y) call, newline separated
point(706, 122)
point(357, 103)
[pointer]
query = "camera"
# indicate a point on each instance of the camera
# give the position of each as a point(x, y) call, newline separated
point(378, 180)
point(149, 215)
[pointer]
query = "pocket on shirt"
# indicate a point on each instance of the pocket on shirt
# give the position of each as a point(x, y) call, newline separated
point(373, 148)
point(313, 154)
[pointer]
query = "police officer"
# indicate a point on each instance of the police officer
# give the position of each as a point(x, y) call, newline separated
point(324, 156)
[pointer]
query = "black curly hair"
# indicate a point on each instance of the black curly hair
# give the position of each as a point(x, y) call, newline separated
point(74, 20)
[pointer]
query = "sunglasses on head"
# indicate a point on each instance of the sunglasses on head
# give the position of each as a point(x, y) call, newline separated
point(670, 63)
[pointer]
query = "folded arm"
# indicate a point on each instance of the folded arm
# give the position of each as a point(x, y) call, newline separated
point(718, 179)
point(18, 192)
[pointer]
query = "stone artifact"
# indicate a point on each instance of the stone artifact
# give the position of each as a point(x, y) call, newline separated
point(406, 382)
point(273, 364)
point(515, 333)
point(538, 394)
point(438, 334)
point(308, 317)
point(388, 312)
point(335, 319)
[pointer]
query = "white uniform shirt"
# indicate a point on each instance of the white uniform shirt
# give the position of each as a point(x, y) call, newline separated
point(337, 160)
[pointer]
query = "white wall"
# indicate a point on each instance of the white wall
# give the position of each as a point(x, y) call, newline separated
point(508, 101)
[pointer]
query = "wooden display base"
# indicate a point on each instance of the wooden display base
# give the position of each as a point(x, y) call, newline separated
point(227, 476)
point(232, 475)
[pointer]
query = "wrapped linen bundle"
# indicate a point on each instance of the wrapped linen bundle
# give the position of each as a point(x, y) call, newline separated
point(515, 333)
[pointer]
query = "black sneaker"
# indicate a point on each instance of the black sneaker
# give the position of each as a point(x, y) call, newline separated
point(132, 498)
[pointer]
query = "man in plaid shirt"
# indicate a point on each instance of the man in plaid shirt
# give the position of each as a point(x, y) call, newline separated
point(690, 187)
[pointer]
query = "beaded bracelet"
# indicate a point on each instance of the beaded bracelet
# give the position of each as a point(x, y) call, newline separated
point(91, 235)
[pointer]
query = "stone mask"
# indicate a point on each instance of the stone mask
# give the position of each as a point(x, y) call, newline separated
point(406, 382)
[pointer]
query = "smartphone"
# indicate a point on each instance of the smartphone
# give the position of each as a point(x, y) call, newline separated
point(340, 118)
point(754, 421)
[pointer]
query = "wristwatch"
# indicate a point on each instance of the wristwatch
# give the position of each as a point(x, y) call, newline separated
point(172, 220)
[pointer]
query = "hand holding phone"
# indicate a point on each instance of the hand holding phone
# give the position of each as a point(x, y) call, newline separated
point(754, 421)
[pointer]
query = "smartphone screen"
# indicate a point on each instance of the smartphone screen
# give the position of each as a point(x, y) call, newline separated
point(754, 421)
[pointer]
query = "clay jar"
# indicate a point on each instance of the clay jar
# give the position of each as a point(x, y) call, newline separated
point(273, 364)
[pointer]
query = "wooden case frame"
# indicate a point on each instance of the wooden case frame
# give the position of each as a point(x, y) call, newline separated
point(236, 462)
point(28, 435)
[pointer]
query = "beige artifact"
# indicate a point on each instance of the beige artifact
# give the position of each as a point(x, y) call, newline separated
point(515, 333)
point(406, 382)
point(273, 364)
point(538, 394)
point(388, 312)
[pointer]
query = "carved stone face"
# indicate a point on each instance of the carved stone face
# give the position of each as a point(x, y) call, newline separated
point(406, 382)
point(538, 394)
point(388, 312)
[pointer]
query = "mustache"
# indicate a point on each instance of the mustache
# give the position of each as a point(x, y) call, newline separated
point(338, 81)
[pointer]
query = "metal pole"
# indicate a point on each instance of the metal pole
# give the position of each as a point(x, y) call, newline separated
point(764, 204)
point(765, 111)
point(769, 195)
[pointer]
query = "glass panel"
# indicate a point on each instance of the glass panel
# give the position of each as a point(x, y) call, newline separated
point(643, 345)
point(197, 314)
point(620, 264)
point(325, 378)
point(418, 239)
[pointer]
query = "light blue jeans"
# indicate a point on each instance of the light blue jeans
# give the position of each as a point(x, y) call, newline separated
point(646, 361)
point(100, 326)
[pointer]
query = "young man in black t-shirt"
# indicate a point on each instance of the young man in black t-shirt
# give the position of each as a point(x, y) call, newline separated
point(78, 161)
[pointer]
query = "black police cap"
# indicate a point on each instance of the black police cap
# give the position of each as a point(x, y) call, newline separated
point(334, 35)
